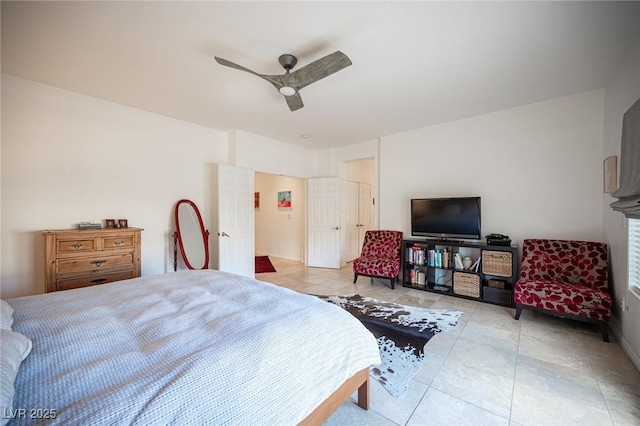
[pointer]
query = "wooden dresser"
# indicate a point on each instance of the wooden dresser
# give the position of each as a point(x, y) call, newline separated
point(80, 258)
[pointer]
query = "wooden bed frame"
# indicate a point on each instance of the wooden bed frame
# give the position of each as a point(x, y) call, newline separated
point(359, 381)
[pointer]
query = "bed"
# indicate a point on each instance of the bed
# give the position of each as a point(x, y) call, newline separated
point(189, 347)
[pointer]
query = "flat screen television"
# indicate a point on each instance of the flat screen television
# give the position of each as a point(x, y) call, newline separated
point(446, 217)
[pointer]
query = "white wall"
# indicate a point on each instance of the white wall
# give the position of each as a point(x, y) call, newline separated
point(329, 160)
point(68, 158)
point(268, 155)
point(281, 232)
point(620, 94)
point(360, 171)
point(538, 169)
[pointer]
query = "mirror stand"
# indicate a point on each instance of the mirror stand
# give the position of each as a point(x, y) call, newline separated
point(175, 249)
point(191, 236)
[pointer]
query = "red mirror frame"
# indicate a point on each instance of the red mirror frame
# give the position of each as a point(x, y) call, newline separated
point(178, 238)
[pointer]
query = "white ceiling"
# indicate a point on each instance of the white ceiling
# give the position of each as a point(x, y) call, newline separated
point(414, 64)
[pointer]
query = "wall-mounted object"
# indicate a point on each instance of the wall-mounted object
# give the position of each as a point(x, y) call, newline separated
point(284, 199)
point(610, 172)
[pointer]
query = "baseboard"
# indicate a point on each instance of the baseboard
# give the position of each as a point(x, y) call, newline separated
point(614, 326)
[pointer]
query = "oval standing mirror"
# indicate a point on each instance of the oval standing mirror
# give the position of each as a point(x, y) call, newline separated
point(191, 236)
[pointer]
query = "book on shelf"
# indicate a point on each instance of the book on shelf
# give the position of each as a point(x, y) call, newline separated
point(458, 261)
point(475, 266)
point(416, 255)
point(439, 258)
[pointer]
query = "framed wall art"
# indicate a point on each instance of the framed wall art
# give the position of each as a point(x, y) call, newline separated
point(610, 172)
point(284, 199)
point(256, 200)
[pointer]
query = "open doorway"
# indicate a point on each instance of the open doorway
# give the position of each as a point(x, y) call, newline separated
point(280, 216)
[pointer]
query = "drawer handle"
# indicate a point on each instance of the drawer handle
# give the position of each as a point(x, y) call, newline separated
point(76, 245)
point(119, 242)
point(99, 280)
point(98, 262)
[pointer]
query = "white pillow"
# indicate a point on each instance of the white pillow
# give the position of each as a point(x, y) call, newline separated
point(14, 348)
point(6, 315)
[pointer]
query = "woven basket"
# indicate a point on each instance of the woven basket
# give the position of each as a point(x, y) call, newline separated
point(493, 283)
point(496, 263)
point(466, 284)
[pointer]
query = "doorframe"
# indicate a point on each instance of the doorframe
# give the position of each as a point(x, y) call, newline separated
point(299, 201)
point(338, 167)
point(375, 190)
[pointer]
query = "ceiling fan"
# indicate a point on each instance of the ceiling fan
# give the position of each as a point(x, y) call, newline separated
point(290, 83)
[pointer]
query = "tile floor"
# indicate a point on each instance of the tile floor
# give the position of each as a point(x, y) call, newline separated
point(491, 369)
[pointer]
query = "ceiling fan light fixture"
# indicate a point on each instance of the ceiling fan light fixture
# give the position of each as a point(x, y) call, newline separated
point(287, 91)
point(301, 78)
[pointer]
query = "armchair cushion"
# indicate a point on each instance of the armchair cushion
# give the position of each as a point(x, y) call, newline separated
point(376, 267)
point(564, 298)
point(572, 262)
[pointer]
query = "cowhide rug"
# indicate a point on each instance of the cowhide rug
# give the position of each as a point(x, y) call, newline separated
point(402, 333)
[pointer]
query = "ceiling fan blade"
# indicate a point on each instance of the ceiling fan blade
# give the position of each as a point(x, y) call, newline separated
point(273, 79)
point(318, 70)
point(294, 101)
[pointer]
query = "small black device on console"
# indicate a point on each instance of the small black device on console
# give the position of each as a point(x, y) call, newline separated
point(498, 240)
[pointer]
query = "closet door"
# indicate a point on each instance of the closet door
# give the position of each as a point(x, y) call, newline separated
point(358, 208)
point(365, 207)
point(353, 242)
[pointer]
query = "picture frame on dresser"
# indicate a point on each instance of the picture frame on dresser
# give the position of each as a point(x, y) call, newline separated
point(123, 223)
point(110, 223)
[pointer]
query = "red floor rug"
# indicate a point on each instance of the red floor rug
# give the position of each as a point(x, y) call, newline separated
point(263, 264)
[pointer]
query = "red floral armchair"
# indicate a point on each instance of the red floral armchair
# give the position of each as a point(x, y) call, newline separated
point(565, 278)
point(380, 257)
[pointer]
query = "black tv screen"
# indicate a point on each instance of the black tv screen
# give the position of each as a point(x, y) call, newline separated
point(446, 217)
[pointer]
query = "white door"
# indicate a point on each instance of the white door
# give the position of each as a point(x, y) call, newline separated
point(236, 223)
point(365, 208)
point(352, 242)
point(323, 225)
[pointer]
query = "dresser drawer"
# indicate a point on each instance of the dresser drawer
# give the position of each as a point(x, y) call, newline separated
point(110, 243)
point(94, 263)
point(76, 245)
point(93, 279)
